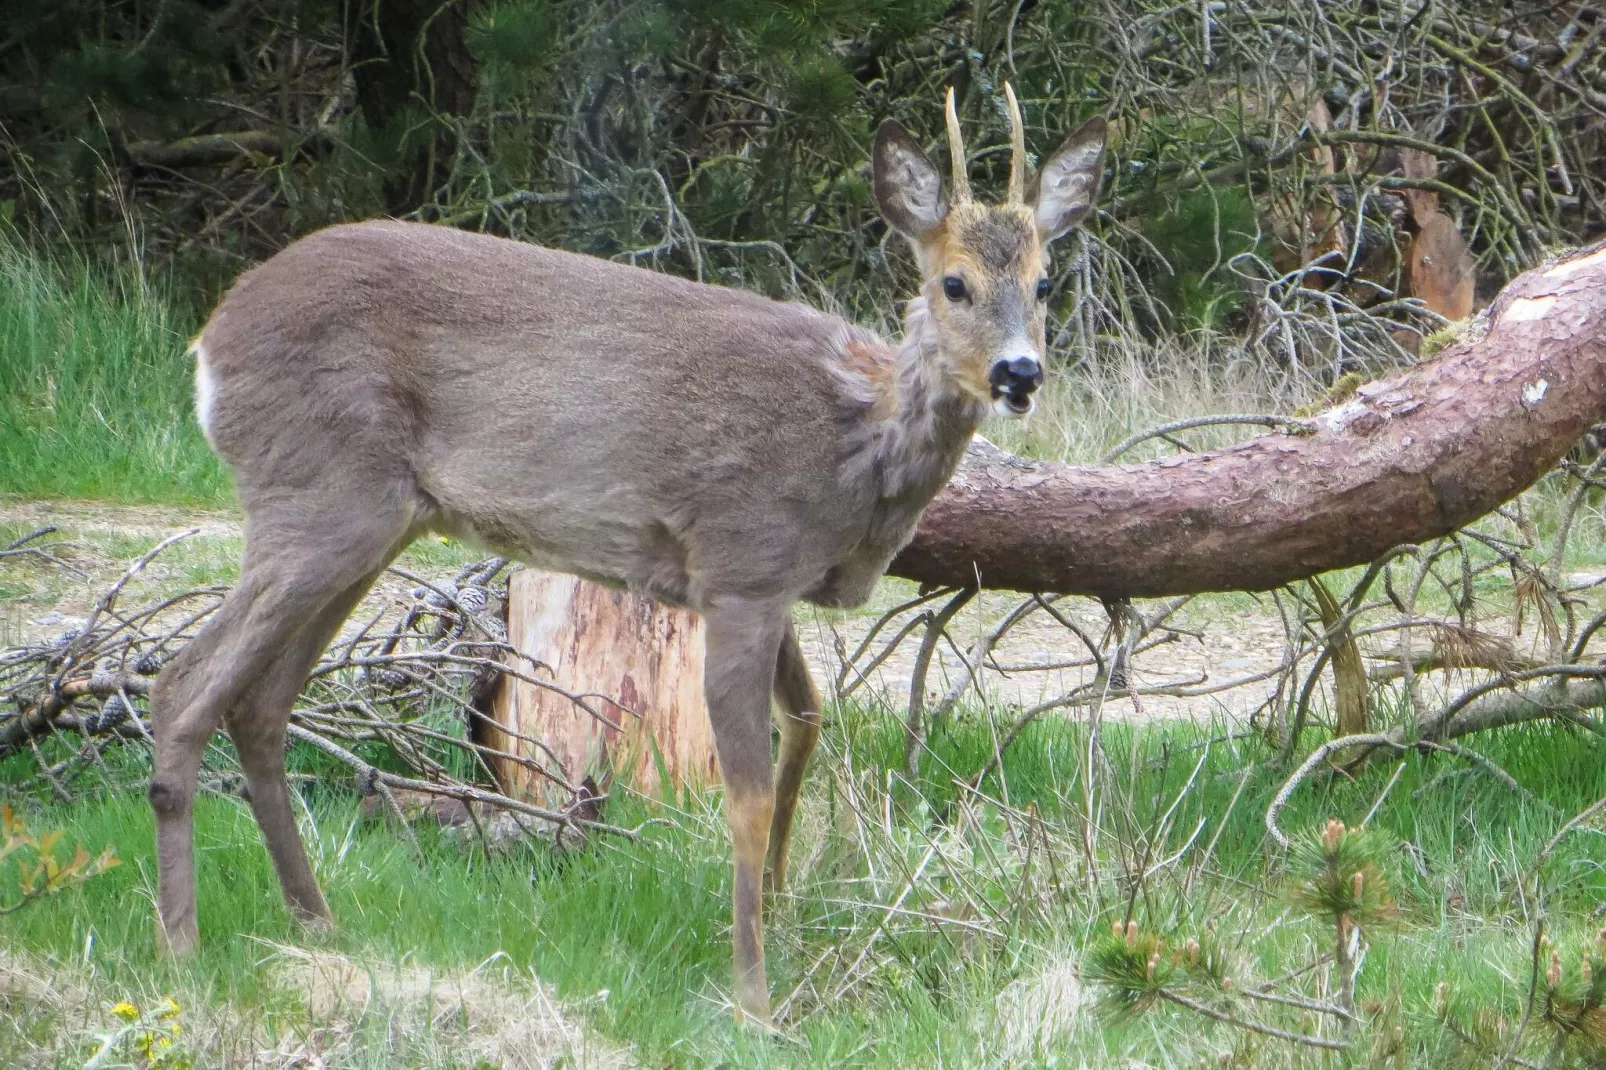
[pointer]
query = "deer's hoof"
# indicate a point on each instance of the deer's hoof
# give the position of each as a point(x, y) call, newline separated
point(316, 926)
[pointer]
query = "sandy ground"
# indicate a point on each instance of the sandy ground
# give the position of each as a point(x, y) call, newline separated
point(1242, 644)
point(1227, 639)
point(111, 538)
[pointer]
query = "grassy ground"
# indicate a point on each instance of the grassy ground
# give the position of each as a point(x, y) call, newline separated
point(971, 963)
point(95, 387)
point(927, 924)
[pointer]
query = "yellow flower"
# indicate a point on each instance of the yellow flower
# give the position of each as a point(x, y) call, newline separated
point(127, 1012)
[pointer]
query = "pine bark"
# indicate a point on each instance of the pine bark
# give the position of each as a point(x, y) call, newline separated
point(411, 64)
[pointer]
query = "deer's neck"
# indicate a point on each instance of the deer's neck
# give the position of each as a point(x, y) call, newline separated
point(912, 428)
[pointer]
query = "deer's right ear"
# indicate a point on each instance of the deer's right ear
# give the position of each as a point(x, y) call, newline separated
point(1068, 184)
point(908, 186)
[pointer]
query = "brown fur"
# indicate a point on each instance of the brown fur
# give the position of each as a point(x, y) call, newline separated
point(874, 365)
point(999, 254)
point(1439, 269)
point(704, 446)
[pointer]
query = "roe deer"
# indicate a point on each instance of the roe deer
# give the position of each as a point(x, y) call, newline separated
point(704, 446)
point(1439, 268)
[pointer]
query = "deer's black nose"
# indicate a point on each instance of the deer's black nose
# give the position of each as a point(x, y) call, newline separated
point(1016, 375)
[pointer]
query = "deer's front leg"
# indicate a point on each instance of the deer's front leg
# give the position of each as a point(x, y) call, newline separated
point(744, 638)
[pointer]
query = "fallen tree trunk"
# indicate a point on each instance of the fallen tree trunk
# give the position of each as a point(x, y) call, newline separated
point(1411, 458)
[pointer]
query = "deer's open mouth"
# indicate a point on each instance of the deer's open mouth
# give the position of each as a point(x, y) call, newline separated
point(1013, 404)
point(1013, 381)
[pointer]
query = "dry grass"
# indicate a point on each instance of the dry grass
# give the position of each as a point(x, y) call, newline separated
point(1037, 1014)
point(1128, 384)
point(488, 1015)
point(331, 1011)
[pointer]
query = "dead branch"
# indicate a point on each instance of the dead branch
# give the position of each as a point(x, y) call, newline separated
point(406, 679)
point(1480, 709)
point(207, 150)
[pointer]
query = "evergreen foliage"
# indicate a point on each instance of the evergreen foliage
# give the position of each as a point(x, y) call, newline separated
point(728, 139)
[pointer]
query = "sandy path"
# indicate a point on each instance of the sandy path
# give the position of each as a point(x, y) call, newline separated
point(1248, 644)
point(1225, 640)
point(110, 537)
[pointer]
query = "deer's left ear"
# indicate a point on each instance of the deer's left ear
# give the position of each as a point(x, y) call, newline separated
point(908, 186)
point(1068, 184)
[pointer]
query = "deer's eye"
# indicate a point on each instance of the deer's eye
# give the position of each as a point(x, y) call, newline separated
point(954, 287)
point(1043, 288)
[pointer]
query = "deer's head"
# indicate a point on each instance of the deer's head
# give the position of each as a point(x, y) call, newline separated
point(985, 267)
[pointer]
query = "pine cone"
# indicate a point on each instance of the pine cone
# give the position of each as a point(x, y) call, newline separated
point(385, 679)
point(58, 648)
point(113, 712)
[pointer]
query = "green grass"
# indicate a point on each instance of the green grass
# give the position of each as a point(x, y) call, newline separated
point(95, 387)
point(95, 403)
point(647, 922)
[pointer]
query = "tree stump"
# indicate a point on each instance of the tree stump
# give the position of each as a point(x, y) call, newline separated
point(637, 664)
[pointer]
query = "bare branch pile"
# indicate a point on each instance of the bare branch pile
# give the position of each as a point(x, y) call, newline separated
point(397, 701)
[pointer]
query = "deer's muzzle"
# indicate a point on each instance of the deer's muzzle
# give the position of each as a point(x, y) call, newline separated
point(1014, 380)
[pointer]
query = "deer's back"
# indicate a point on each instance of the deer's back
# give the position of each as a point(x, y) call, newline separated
point(579, 413)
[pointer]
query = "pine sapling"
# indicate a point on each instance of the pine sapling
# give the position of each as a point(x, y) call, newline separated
point(1339, 878)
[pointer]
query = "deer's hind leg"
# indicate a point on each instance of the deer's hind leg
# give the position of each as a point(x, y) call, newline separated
point(743, 641)
point(799, 702)
point(298, 564)
point(259, 725)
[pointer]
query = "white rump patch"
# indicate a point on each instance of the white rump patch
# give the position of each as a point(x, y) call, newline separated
point(205, 392)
